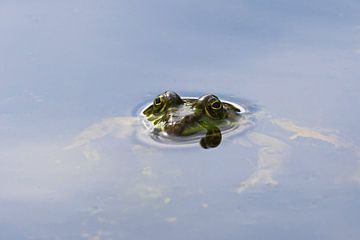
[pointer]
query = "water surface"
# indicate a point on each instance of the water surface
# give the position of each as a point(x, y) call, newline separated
point(68, 65)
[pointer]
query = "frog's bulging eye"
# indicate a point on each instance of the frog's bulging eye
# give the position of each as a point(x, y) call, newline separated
point(159, 104)
point(215, 110)
point(216, 105)
point(164, 101)
point(213, 107)
point(157, 101)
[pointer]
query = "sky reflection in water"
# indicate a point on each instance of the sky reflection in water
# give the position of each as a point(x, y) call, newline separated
point(72, 65)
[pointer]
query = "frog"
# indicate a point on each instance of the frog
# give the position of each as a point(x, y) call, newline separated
point(179, 119)
point(176, 122)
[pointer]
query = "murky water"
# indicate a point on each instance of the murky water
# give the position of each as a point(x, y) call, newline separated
point(73, 75)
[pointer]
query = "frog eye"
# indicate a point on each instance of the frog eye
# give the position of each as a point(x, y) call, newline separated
point(216, 105)
point(159, 104)
point(157, 101)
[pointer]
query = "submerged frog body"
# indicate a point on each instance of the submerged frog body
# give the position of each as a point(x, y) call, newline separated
point(173, 119)
point(178, 118)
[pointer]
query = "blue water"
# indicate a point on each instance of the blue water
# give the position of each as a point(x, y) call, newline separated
point(67, 65)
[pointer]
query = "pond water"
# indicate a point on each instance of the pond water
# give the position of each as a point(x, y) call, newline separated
point(73, 75)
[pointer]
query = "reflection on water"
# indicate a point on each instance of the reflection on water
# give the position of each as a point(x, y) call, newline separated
point(77, 164)
point(212, 138)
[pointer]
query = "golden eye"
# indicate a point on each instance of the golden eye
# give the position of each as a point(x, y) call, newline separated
point(216, 105)
point(159, 104)
point(157, 101)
